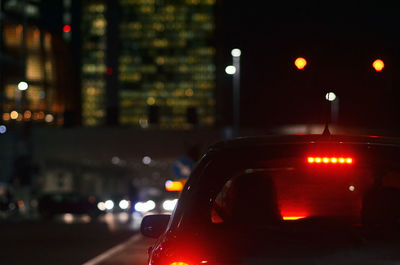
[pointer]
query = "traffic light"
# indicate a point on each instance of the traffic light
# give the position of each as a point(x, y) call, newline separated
point(378, 65)
point(67, 28)
point(300, 63)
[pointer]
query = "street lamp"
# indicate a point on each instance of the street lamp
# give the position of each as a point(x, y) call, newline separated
point(378, 65)
point(236, 53)
point(334, 102)
point(330, 96)
point(300, 63)
point(230, 70)
point(22, 86)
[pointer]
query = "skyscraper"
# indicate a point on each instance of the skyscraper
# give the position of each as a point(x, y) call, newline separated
point(149, 62)
point(93, 62)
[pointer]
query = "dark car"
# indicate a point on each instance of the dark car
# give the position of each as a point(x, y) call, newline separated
point(53, 204)
point(302, 199)
point(8, 205)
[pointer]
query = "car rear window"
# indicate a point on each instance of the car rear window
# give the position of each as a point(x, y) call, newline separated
point(286, 190)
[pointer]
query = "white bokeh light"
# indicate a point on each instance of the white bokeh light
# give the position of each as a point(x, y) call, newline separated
point(169, 205)
point(109, 204)
point(236, 52)
point(22, 85)
point(330, 96)
point(146, 160)
point(124, 204)
point(144, 207)
point(230, 70)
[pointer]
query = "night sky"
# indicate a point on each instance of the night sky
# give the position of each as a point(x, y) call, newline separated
point(340, 42)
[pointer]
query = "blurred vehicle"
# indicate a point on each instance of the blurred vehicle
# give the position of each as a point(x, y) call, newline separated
point(8, 205)
point(152, 201)
point(156, 205)
point(115, 204)
point(302, 199)
point(53, 204)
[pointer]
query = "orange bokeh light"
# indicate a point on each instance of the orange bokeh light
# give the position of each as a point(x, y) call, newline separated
point(175, 185)
point(300, 63)
point(378, 65)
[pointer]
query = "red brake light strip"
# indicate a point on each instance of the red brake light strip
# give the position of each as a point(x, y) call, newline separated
point(329, 160)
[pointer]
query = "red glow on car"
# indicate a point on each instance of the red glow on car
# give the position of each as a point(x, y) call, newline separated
point(290, 218)
point(329, 160)
point(292, 212)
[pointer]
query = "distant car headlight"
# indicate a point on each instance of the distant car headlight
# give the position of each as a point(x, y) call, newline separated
point(124, 204)
point(109, 204)
point(169, 205)
point(144, 207)
point(101, 206)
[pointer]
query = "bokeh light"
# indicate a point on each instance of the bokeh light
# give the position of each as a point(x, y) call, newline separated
point(236, 52)
point(230, 70)
point(14, 115)
point(3, 129)
point(300, 63)
point(330, 96)
point(22, 86)
point(378, 65)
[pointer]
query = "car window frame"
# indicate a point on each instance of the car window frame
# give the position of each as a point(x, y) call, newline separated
point(196, 197)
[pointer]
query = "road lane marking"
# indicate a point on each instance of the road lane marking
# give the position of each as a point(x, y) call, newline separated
point(112, 251)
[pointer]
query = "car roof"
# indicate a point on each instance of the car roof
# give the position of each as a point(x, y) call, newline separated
point(257, 141)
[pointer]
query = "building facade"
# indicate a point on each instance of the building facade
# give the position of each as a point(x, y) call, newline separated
point(148, 63)
point(38, 55)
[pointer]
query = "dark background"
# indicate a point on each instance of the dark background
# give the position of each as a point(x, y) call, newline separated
point(339, 40)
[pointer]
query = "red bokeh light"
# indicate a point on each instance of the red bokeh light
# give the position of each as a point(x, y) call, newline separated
point(109, 71)
point(67, 28)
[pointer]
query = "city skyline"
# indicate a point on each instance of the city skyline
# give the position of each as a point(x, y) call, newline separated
point(340, 41)
point(148, 63)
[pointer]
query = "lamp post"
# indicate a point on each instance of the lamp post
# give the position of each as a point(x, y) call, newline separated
point(236, 53)
point(334, 102)
point(22, 86)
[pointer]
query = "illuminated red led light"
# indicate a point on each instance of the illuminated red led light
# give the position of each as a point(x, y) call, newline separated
point(179, 263)
point(329, 160)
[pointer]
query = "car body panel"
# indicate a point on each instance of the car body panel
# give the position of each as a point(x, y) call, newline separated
point(190, 236)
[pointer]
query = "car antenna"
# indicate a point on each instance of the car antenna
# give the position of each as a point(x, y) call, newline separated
point(326, 131)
